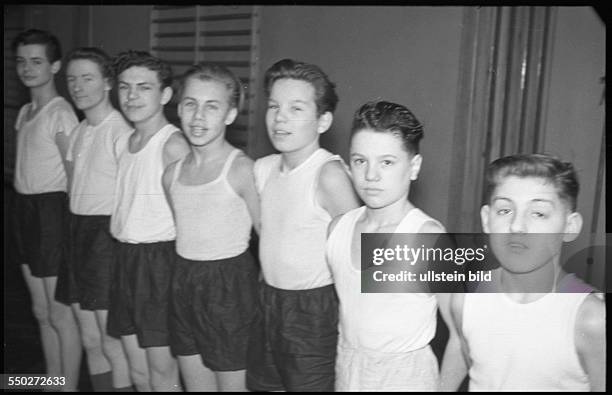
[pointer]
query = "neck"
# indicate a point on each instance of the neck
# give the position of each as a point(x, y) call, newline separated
point(97, 114)
point(151, 125)
point(291, 160)
point(210, 152)
point(42, 95)
point(526, 287)
point(390, 215)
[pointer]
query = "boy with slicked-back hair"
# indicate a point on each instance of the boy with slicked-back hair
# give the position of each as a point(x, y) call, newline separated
point(537, 328)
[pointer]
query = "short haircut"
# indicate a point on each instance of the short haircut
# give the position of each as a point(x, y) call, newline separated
point(96, 55)
point(550, 168)
point(53, 49)
point(326, 98)
point(131, 58)
point(387, 117)
point(207, 71)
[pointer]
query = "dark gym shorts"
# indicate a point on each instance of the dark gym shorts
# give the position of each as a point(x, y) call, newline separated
point(40, 223)
point(91, 258)
point(213, 309)
point(293, 344)
point(140, 292)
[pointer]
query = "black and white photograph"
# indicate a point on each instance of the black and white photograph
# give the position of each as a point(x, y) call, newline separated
point(323, 198)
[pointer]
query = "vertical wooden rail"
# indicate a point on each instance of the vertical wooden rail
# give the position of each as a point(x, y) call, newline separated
point(505, 67)
point(253, 80)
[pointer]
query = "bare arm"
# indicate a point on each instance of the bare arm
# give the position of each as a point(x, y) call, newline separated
point(63, 143)
point(590, 338)
point(241, 178)
point(455, 360)
point(335, 191)
point(175, 148)
point(166, 183)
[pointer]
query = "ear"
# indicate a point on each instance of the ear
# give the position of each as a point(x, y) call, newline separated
point(166, 95)
point(107, 85)
point(231, 116)
point(179, 109)
point(484, 217)
point(415, 166)
point(324, 122)
point(573, 226)
point(56, 66)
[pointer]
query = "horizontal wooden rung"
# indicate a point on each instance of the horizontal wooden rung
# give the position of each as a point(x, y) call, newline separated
point(226, 63)
point(233, 48)
point(224, 17)
point(224, 33)
point(175, 34)
point(171, 7)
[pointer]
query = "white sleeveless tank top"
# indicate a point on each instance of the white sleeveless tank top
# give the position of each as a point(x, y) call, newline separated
point(38, 161)
point(212, 220)
point(293, 224)
point(523, 346)
point(141, 213)
point(381, 322)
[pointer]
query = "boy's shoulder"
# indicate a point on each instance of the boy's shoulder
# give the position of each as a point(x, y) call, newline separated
point(591, 313)
point(570, 283)
point(242, 164)
point(263, 167)
point(333, 171)
point(59, 104)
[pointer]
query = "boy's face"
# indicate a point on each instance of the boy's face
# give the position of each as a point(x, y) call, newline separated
point(205, 111)
point(528, 222)
point(381, 168)
point(291, 117)
point(140, 94)
point(33, 66)
point(86, 84)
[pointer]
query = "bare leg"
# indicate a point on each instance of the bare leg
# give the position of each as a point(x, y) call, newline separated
point(48, 335)
point(234, 381)
point(137, 359)
point(64, 322)
point(113, 349)
point(196, 376)
point(163, 368)
point(92, 341)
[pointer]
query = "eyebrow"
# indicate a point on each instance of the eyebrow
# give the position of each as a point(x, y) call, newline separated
point(537, 200)
point(34, 57)
point(291, 101)
point(80, 75)
point(543, 201)
point(207, 101)
point(137, 83)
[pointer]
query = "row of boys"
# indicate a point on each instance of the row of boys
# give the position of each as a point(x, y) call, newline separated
point(160, 222)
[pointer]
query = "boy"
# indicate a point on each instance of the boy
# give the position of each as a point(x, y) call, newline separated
point(384, 338)
point(40, 215)
point(215, 204)
point(92, 249)
point(142, 222)
point(525, 336)
point(293, 346)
